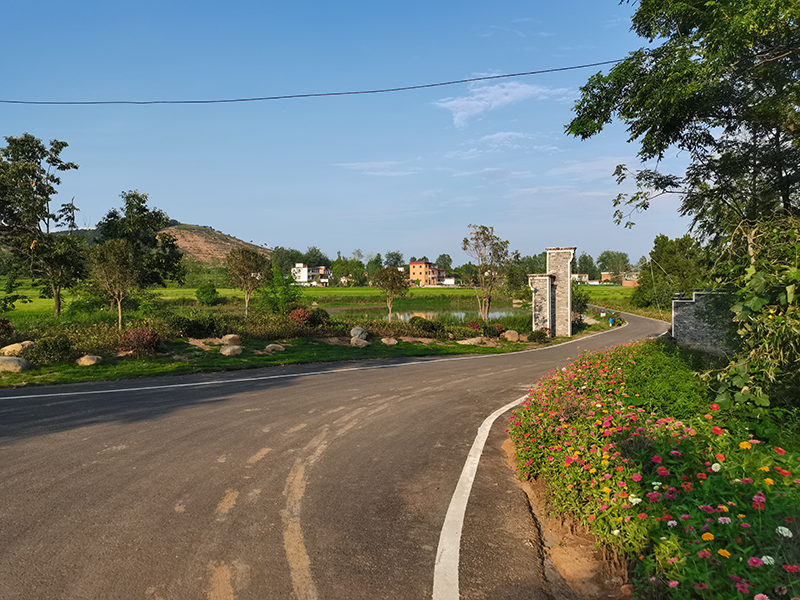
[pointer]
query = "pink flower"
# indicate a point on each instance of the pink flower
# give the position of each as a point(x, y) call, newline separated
point(761, 597)
point(656, 459)
point(742, 587)
point(704, 554)
point(673, 583)
point(702, 586)
point(780, 451)
point(636, 477)
point(754, 562)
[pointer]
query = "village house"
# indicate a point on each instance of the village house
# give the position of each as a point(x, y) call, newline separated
point(311, 276)
point(426, 274)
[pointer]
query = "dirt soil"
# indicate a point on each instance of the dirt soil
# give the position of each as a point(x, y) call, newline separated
point(571, 548)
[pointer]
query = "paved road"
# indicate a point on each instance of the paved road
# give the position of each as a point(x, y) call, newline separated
point(320, 481)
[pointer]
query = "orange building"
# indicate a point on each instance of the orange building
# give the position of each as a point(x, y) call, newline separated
point(426, 273)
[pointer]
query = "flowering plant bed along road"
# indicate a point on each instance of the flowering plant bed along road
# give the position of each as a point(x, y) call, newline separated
point(689, 503)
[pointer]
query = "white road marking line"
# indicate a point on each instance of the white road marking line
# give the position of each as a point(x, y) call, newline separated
point(445, 572)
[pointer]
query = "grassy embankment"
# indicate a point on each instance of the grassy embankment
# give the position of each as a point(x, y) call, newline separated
point(616, 297)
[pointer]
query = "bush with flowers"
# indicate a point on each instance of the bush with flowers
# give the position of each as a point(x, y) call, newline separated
point(694, 508)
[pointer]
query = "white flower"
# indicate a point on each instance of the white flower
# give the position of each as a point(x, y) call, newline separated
point(615, 532)
point(768, 560)
point(784, 532)
point(634, 499)
point(716, 467)
point(671, 523)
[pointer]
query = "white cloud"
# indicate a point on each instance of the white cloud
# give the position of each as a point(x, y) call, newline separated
point(464, 154)
point(483, 98)
point(494, 174)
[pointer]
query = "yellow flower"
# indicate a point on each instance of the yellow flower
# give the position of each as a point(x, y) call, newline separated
point(604, 462)
point(763, 468)
point(605, 456)
point(707, 536)
point(723, 507)
point(592, 470)
point(724, 553)
point(745, 445)
point(605, 411)
point(741, 516)
point(768, 481)
point(607, 490)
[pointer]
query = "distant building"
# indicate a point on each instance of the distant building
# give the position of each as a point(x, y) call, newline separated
point(426, 273)
point(580, 277)
point(311, 276)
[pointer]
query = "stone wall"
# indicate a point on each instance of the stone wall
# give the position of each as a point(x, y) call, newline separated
point(559, 264)
point(702, 322)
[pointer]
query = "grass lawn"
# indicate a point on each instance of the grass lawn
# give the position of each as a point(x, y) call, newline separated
point(617, 297)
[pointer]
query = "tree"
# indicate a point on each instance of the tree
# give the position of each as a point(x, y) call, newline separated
point(158, 253)
point(247, 270)
point(518, 269)
point(722, 86)
point(394, 259)
point(614, 262)
point(28, 179)
point(491, 255)
point(586, 265)
point(279, 292)
point(674, 266)
point(314, 257)
point(286, 258)
point(445, 262)
point(114, 267)
point(392, 283)
point(349, 272)
point(374, 265)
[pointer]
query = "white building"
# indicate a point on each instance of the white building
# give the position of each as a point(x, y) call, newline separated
point(311, 276)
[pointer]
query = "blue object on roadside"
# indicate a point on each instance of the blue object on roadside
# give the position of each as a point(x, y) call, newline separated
point(611, 322)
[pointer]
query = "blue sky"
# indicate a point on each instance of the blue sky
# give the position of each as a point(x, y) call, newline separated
point(404, 171)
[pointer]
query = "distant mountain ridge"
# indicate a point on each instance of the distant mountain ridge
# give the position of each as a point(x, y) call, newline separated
point(207, 245)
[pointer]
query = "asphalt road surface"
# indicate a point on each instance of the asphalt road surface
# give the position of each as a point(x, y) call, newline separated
point(326, 481)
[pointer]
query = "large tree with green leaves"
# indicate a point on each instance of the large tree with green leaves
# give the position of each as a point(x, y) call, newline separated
point(140, 226)
point(29, 176)
point(491, 256)
point(393, 284)
point(672, 266)
point(721, 83)
point(115, 267)
point(247, 270)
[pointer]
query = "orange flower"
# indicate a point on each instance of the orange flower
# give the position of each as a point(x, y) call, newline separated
point(745, 445)
point(707, 536)
point(720, 457)
point(723, 552)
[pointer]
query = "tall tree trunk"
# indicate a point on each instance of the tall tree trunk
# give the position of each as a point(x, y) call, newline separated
point(57, 298)
point(119, 313)
point(246, 302)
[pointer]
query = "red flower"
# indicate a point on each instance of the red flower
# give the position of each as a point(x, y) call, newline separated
point(790, 568)
point(662, 471)
point(720, 457)
point(701, 476)
point(758, 505)
point(715, 406)
point(643, 516)
point(656, 459)
point(717, 430)
point(592, 517)
point(780, 451)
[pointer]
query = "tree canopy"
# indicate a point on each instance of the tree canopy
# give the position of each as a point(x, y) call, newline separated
point(723, 85)
point(392, 283)
point(247, 270)
point(491, 255)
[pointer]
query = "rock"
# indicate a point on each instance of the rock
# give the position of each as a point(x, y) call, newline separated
point(358, 342)
point(231, 340)
point(389, 341)
point(13, 364)
point(476, 341)
point(359, 332)
point(15, 349)
point(511, 335)
point(230, 350)
point(274, 348)
point(89, 360)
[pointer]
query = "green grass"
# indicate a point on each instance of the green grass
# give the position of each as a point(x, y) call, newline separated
point(616, 297)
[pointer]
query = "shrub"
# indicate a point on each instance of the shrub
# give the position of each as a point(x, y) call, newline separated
point(538, 336)
point(318, 317)
point(196, 325)
point(207, 294)
point(139, 341)
point(299, 316)
point(6, 328)
point(425, 326)
point(49, 350)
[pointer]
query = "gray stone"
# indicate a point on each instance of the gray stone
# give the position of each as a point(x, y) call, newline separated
point(511, 335)
point(89, 360)
point(15, 349)
point(476, 341)
point(231, 340)
point(230, 350)
point(389, 341)
point(274, 348)
point(358, 342)
point(358, 332)
point(13, 364)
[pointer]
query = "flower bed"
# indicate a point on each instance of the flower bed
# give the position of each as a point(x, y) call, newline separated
point(695, 509)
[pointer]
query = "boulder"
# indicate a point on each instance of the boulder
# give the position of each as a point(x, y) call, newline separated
point(358, 342)
point(15, 349)
point(274, 348)
point(89, 360)
point(230, 350)
point(359, 332)
point(476, 341)
point(13, 364)
point(231, 340)
point(511, 335)
point(389, 341)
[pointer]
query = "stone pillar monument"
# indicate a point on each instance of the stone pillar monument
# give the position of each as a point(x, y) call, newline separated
point(552, 293)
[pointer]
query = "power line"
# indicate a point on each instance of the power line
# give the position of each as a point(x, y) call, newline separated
point(316, 95)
